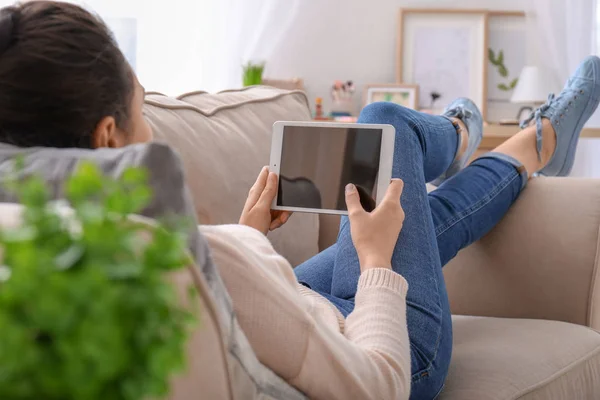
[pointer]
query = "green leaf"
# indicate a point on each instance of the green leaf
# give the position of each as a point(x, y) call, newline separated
point(503, 71)
point(503, 87)
point(501, 57)
point(135, 176)
point(124, 270)
point(492, 56)
point(69, 257)
point(514, 83)
point(5, 273)
point(85, 183)
point(20, 163)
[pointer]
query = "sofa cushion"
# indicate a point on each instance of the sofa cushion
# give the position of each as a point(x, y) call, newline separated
point(224, 140)
point(505, 359)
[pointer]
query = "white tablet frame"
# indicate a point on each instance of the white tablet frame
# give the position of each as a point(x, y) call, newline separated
point(386, 160)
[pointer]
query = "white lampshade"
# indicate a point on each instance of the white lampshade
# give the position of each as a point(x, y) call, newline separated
point(534, 85)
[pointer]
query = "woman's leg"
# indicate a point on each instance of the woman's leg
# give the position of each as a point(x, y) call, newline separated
point(317, 272)
point(465, 207)
point(471, 203)
point(425, 147)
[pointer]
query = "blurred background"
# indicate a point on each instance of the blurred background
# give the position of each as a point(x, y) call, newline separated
point(506, 55)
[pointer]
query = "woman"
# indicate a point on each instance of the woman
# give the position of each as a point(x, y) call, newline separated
point(351, 328)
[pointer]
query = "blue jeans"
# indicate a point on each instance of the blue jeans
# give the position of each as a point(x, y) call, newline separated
point(437, 226)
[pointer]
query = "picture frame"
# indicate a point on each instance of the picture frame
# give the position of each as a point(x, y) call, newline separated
point(401, 94)
point(444, 52)
point(506, 57)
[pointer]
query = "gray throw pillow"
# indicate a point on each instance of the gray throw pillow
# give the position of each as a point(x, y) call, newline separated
point(55, 165)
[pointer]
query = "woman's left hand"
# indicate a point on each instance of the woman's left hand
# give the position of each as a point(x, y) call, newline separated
point(257, 210)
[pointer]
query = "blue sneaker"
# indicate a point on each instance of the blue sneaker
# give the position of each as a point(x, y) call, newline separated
point(465, 110)
point(568, 112)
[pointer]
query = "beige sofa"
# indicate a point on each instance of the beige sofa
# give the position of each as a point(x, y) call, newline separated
point(525, 297)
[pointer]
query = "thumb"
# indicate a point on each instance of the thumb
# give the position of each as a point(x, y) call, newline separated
point(394, 191)
point(353, 200)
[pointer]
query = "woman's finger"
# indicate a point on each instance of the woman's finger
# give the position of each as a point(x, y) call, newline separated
point(353, 201)
point(276, 224)
point(257, 189)
point(269, 192)
point(285, 216)
point(279, 218)
point(394, 193)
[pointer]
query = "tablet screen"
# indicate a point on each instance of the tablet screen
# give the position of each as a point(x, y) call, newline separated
point(318, 162)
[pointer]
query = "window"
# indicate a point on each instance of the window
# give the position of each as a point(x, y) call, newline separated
point(164, 41)
point(125, 31)
point(181, 45)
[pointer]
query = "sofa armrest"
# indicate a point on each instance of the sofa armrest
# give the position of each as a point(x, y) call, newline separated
point(540, 262)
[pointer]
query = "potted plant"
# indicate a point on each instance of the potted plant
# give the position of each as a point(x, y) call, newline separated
point(253, 73)
point(85, 310)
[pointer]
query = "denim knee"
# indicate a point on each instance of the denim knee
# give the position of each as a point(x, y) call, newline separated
point(384, 112)
point(409, 136)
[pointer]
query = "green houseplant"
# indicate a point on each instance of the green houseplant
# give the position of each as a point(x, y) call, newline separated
point(253, 73)
point(498, 62)
point(85, 310)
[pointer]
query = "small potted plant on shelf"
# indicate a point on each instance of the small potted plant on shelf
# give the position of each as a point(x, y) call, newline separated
point(85, 309)
point(253, 73)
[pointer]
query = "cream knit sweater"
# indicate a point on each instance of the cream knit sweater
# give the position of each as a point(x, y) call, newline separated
point(301, 336)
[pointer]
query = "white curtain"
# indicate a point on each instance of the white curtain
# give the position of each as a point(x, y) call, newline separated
point(562, 34)
point(184, 45)
point(245, 31)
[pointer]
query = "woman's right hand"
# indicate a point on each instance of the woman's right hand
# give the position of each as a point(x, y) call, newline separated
point(375, 234)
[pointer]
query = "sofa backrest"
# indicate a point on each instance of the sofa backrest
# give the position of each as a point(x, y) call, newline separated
point(224, 140)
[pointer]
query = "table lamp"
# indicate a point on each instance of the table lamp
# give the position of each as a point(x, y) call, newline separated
point(533, 87)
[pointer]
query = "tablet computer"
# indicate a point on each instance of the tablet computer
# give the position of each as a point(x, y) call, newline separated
point(315, 161)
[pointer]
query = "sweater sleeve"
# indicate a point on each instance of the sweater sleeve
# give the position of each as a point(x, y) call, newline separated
point(369, 360)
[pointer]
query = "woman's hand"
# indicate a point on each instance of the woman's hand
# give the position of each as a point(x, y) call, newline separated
point(375, 234)
point(257, 210)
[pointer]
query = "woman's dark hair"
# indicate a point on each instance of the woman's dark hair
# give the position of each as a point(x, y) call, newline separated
point(61, 72)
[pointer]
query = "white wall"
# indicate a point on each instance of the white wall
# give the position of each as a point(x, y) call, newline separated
point(352, 40)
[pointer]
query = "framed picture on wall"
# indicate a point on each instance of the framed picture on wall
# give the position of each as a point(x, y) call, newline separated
point(444, 52)
point(404, 95)
point(506, 57)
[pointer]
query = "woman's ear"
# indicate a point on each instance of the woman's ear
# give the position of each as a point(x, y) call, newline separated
point(106, 134)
